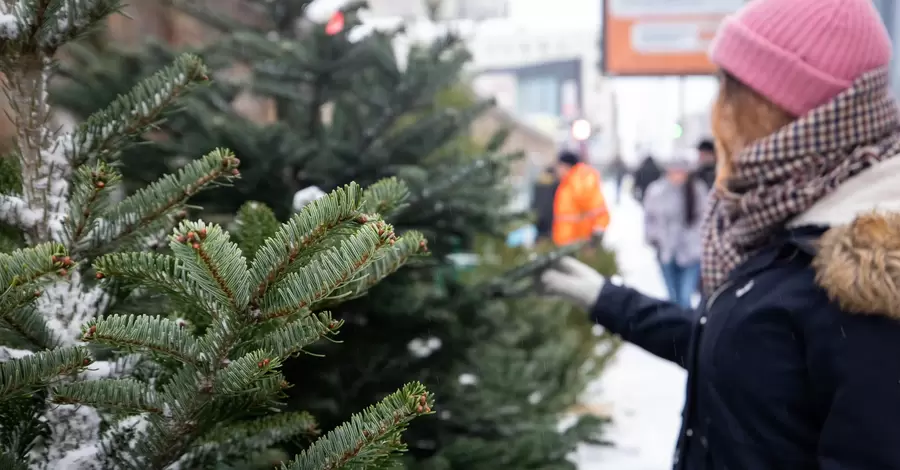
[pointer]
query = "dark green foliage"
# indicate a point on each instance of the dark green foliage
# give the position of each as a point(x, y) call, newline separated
point(10, 183)
point(382, 119)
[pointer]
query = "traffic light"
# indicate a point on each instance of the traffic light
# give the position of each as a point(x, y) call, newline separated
point(677, 131)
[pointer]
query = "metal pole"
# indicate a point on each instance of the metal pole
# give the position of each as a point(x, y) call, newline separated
point(614, 123)
point(682, 107)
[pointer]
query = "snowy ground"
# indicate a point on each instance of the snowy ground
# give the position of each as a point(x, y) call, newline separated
point(645, 393)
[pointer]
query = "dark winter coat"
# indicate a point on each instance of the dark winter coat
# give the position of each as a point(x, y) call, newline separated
point(707, 173)
point(542, 203)
point(646, 173)
point(794, 363)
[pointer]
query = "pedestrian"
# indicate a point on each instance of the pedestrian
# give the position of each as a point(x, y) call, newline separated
point(579, 210)
point(646, 173)
point(619, 171)
point(673, 212)
point(542, 202)
point(792, 356)
point(706, 155)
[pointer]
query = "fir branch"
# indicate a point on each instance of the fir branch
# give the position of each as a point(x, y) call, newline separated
point(64, 21)
point(28, 265)
point(322, 275)
point(263, 432)
point(214, 262)
point(292, 338)
point(107, 131)
point(158, 272)
point(13, 300)
point(520, 279)
point(386, 261)
point(29, 325)
point(9, 461)
point(23, 376)
point(209, 16)
point(145, 333)
point(370, 438)
point(239, 443)
point(256, 223)
point(163, 197)
point(301, 233)
point(22, 272)
point(385, 197)
point(126, 395)
point(254, 373)
point(92, 186)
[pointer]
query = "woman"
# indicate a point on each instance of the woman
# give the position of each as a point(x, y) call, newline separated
point(793, 357)
point(673, 210)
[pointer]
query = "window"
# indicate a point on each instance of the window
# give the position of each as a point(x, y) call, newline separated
point(481, 9)
point(538, 95)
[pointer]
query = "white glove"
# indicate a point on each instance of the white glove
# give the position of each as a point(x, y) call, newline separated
point(574, 281)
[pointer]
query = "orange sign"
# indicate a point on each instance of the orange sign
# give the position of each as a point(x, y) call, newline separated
point(661, 37)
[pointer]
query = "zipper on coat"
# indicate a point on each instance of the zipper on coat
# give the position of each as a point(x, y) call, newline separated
point(715, 295)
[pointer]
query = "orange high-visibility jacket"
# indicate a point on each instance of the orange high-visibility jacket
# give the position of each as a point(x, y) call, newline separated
point(579, 209)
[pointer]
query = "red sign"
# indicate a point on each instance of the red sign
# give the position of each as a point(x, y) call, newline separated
point(661, 37)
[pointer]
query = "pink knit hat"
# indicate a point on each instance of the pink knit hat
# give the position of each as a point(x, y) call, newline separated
point(800, 54)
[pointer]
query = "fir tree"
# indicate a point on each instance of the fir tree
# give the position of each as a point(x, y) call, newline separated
point(350, 108)
point(86, 385)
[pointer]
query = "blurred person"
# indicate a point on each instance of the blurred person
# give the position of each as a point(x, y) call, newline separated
point(646, 173)
point(673, 212)
point(542, 202)
point(619, 170)
point(579, 210)
point(792, 357)
point(706, 170)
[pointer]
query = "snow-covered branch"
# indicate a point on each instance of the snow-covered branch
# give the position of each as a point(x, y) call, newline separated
point(46, 171)
point(14, 211)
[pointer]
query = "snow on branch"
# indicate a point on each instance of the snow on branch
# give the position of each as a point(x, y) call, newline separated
point(72, 19)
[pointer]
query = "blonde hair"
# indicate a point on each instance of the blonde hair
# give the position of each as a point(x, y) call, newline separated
point(740, 116)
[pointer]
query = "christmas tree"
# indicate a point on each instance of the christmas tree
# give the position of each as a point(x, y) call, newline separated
point(348, 107)
point(84, 383)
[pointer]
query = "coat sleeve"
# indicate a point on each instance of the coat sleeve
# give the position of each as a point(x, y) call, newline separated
point(593, 204)
point(652, 215)
point(657, 326)
point(854, 363)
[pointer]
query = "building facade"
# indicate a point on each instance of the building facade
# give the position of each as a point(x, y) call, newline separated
point(539, 60)
point(890, 13)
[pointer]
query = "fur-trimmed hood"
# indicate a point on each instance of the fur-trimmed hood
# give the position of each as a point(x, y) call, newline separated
point(858, 258)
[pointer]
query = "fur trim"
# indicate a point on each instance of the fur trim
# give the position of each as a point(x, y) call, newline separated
point(859, 264)
point(858, 259)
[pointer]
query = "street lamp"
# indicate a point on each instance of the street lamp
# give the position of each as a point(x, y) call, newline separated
point(581, 130)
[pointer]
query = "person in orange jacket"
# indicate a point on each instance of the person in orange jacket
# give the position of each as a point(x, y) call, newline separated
point(579, 210)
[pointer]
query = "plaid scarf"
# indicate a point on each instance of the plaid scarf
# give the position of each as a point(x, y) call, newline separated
point(781, 176)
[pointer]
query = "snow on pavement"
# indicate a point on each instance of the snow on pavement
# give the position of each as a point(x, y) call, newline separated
point(645, 393)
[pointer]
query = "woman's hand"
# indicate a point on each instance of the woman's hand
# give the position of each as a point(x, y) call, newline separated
point(574, 281)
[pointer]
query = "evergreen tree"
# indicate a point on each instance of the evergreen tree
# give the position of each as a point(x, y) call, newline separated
point(348, 108)
point(84, 383)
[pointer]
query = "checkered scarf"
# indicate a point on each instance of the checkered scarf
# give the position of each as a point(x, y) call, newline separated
point(781, 176)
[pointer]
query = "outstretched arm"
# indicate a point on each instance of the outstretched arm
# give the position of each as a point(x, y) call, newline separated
point(658, 326)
